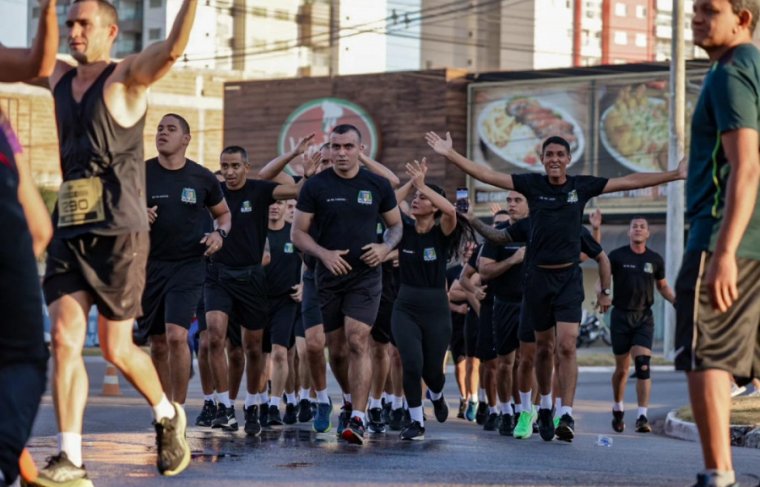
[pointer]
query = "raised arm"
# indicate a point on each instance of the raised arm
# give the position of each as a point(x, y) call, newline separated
point(498, 237)
point(273, 170)
point(445, 147)
point(379, 169)
point(402, 192)
point(156, 60)
point(288, 191)
point(417, 172)
point(639, 180)
point(38, 61)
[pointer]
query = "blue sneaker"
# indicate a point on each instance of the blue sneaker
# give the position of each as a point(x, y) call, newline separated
point(321, 422)
point(471, 411)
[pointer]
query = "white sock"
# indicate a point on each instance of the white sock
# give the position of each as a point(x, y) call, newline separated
point(525, 398)
point(251, 400)
point(642, 411)
point(546, 401)
point(71, 445)
point(322, 397)
point(275, 401)
point(434, 396)
point(558, 404)
point(618, 406)
point(493, 410)
point(398, 402)
point(390, 399)
point(506, 408)
point(721, 478)
point(291, 398)
point(406, 404)
point(217, 397)
point(347, 398)
point(164, 409)
point(375, 403)
point(264, 397)
point(416, 415)
point(303, 394)
point(384, 396)
point(224, 398)
point(358, 414)
point(208, 397)
point(566, 410)
point(481, 395)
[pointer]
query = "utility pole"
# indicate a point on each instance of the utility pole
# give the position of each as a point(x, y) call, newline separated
point(675, 222)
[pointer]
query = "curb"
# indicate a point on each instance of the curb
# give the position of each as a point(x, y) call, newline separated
point(687, 431)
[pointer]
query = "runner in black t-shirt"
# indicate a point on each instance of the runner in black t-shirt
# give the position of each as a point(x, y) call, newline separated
point(283, 278)
point(501, 266)
point(344, 204)
point(180, 195)
point(556, 202)
point(235, 284)
point(459, 306)
point(421, 321)
point(636, 270)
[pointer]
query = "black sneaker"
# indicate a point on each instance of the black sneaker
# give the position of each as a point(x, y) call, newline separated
point(173, 452)
point(618, 424)
point(354, 431)
point(507, 425)
point(252, 420)
point(545, 424)
point(60, 471)
point(207, 415)
point(565, 428)
point(344, 417)
point(264, 415)
point(304, 411)
point(441, 410)
point(642, 425)
point(462, 408)
point(397, 419)
point(291, 416)
point(273, 417)
point(375, 420)
point(414, 431)
point(482, 414)
point(492, 422)
point(225, 418)
point(387, 408)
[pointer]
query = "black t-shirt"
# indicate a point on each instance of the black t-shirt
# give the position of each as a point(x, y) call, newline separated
point(183, 197)
point(284, 269)
point(249, 205)
point(423, 256)
point(556, 214)
point(346, 210)
point(507, 286)
point(452, 274)
point(473, 262)
point(521, 232)
point(634, 276)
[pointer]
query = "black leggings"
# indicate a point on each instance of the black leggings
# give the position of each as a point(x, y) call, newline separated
point(421, 325)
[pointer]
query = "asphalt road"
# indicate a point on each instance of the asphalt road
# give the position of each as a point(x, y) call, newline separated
point(119, 447)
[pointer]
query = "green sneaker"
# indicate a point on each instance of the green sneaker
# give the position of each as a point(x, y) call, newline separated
point(524, 428)
point(556, 422)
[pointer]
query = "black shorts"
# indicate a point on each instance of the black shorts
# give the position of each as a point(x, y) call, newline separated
point(631, 328)
point(311, 314)
point(281, 318)
point(471, 325)
point(506, 321)
point(110, 268)
point(550, 296)
point(172, 292)
point(709, 339)
point(456, 344)
point(356, 296)
point(238, 291)
point(233, 324)
point(298, 329)
point(485, 349)
point(381, 329)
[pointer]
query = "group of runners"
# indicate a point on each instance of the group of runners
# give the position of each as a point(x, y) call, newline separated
point(346, 257)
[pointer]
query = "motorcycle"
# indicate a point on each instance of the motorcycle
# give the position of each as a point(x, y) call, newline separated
point(593, 328)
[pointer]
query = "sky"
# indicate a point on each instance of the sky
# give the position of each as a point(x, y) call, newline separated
point(13, 33)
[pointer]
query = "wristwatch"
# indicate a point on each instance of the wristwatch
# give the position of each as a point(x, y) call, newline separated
point(607, 291)
point(222, 232)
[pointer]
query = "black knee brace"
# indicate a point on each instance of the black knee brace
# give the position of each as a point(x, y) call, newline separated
point(641, 363)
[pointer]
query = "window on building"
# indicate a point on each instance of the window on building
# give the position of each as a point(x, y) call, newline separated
point(641, 40)
point(621, 38)
point(259, 43)
point(641, 12)
point(156, 3)
point(154, 34)
point(621, 10)
point(259, 11)
point(281, 14)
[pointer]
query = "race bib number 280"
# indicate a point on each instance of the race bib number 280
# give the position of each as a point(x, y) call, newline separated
point(80, 201)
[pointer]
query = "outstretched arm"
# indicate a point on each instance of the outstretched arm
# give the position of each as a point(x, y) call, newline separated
point(273, 170)
point(156, 60)
point(39, 61)
point(445, 147)
point(498, 237)
point(379, 169)
point(639, 180)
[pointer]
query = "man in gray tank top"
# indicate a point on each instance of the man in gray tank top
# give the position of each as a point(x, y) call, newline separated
point(100, 243)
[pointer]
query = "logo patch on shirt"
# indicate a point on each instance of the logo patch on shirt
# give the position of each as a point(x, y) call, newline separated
point(429, 254)
point(288, 249)
point(648, 268)
point(188, 196)
point(246, 207)
point(379, 228)
point(365, 198)
point(572, 196)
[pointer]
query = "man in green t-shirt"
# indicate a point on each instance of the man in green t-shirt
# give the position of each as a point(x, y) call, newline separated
point(718, 288)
